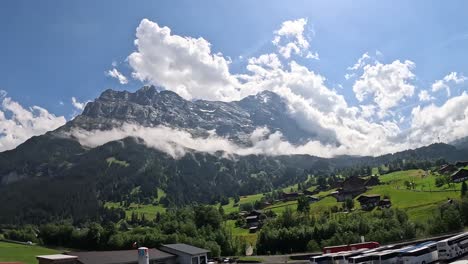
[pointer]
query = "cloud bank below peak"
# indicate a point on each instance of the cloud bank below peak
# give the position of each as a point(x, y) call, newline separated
point(177, 142)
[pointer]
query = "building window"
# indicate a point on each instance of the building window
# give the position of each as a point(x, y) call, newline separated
point(195, 260)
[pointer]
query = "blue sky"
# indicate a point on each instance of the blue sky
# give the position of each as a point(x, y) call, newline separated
point(54, 50)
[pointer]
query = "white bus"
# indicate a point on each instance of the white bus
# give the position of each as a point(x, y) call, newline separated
point(385, 257)
point(342, 257)
point(421, 254)
point(322, 259)
point(453, 246)
point(366, 257)
point(361, 259)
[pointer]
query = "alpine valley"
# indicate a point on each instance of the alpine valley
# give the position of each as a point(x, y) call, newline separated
point(72, 171)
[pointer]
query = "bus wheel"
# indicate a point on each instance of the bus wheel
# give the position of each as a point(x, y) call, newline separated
point(424, 262)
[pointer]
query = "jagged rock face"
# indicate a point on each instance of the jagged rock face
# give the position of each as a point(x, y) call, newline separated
point(150, 107)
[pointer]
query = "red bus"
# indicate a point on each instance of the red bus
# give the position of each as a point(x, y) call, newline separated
point(351, 247)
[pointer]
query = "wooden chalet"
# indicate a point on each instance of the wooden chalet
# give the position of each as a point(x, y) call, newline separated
point(385, 203)
point(314, 192)
point(460, 176)
point(253, 219)
point(350, 188)
point(447, 168)
point(369, 201)
point(290, 196)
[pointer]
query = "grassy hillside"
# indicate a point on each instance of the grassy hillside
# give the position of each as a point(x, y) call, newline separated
point(22, 253)
point(148, 210)
point(421, 201)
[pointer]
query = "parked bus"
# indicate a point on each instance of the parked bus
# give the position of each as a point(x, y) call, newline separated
point(453, 246)
point(385, 257)
point(361, 259)
point(351, 247)
point(342, 257)
point(365, 257)
point(421, 254)
point(322, 259)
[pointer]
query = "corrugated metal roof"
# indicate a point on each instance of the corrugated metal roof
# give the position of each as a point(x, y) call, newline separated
point(186, 249)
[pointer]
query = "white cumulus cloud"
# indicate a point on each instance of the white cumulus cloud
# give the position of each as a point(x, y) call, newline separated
point(447, 122)
point(114, 73)
point(388, 84)
point(184, 65)
point(290, 39)
point(77, 104)
point(425, 96)
point(442, 84)
point(17, 124)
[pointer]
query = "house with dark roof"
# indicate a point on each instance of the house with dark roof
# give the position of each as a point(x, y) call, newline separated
point(290, 196)
point(460, 176)
point(372, 181)
point(350, 188)
point(461, 164)
point(369, 201)
point(252, 220)
point(447, 168)
point(385, 203)
point(314, 192)
point(187, 254)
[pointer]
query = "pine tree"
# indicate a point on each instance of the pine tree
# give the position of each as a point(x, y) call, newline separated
point(464, 189)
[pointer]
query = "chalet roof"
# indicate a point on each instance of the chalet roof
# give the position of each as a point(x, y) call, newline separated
point(353, 183)
point(251, 217)
point(184, 248)
point(373, 180)
point(447, 168)
point(117, 256)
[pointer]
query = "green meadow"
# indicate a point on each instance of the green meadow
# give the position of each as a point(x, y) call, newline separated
point(10, 252)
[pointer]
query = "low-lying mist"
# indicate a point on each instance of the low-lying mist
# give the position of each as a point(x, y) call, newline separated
point(176, 142)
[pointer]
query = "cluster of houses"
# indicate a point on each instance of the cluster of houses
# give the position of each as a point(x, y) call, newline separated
point(255, 218)
point(353, 187)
